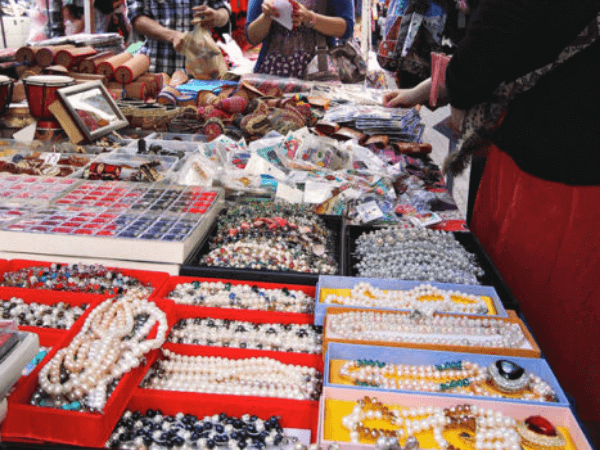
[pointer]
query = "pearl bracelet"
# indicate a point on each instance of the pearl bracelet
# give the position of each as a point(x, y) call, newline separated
point(242, 296)
point(263, 377)
point(239, 334)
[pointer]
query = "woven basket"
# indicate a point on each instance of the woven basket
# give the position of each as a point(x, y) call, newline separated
point(155, 117)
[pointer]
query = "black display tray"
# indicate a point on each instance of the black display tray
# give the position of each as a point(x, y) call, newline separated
point(191, 267)
point(467, 239)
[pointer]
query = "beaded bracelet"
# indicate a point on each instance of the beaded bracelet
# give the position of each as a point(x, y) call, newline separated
point(80, 278)
point(57, 315)
point(272, 236)
point(155, 430)
point(259, 336)
point(242, 296)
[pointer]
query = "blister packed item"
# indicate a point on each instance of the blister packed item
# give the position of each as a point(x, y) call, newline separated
point(364, 159)
point(322, 153)
point(270, 151)
point(216, 150)
point(198, 170)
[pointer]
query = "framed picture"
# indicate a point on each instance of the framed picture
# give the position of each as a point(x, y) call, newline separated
point(92, 109)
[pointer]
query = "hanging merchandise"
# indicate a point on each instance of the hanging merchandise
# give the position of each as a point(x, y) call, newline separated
point(203, 58)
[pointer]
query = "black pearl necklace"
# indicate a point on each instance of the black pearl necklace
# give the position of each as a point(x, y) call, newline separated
point(152, 429)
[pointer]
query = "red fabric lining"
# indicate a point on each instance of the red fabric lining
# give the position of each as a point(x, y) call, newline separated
point(543, 238)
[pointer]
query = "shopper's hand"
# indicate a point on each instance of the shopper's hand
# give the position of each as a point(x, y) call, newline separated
point(176, 40)
point(300, 14)
point(209, 18)
point(402, 98)
point(269, 10)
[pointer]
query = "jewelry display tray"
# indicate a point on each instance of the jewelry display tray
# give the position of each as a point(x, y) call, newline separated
point(558, 415)
point(37, 425)
point(234, 313)
point(530, 350)
point(347, 352)
point(191, 267)
point(331, 283)
point(467, 239)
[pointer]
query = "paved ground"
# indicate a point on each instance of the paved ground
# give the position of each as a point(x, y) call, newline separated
point(440, 144)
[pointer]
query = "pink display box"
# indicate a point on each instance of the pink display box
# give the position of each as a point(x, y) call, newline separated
point(559, 416)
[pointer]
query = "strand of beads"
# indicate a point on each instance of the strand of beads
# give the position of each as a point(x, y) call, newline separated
point(57, 315)
point(415, 254)
point(264, 377)
point(153, 429)
point(80, 278)
point(112, 341)
point(423, 297)
point(452, 377)
point(272, 236)
point(239, 334)
point(242, 296)
point(413, 328)
point(492, 430)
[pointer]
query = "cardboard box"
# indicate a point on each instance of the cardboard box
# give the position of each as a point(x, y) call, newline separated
point(328, 283)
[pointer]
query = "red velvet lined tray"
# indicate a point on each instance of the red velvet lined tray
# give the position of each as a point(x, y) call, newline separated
point(301, 414)
point(28, 423)
point(156, 279)
point(234, 313)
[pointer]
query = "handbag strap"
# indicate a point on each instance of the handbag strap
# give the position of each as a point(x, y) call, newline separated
point(322, 46)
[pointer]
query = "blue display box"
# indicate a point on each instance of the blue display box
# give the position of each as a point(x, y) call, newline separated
point(348, 352)
point(336, 282)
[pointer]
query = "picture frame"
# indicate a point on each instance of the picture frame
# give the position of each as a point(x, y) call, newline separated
point(92, 109)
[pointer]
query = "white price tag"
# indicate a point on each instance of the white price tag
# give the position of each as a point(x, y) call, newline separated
point(52, 159)
point(369, 211)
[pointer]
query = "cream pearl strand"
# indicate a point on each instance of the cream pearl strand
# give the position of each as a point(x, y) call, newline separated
point(418, 298)
point(264, 377)
point(98, 354)
point(438, 329)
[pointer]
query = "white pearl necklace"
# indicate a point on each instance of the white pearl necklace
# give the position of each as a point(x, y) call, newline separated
point(263, 377)
point(452, 377)
point(242, 296)
point(235, 333)
point(439, 329)
point(425, 298)
point(492, 430)
point(100, 354)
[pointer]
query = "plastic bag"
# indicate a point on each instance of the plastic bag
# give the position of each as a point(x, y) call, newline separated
point(203, 57)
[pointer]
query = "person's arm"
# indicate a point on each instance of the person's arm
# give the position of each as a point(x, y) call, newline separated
point(216, 13)
point(258, 20)
point(326, 25)
point(154, 30)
